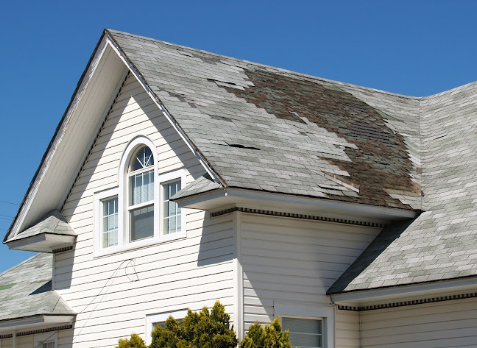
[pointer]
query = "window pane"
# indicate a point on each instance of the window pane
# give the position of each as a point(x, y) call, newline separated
point(304, 333)
point(142, 187)
point(142, 223)
point(110, 222)
point(172, 212)
point(142, 159)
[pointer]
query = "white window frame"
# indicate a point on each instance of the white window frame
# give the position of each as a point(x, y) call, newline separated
point(99, 198)
point(151, 319)
point(122, 192)
point(324, 313)
point(47, 337)
point(123, 199)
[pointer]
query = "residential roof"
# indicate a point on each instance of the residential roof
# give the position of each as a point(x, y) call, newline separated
point(25, 290)
point(53, 223)
point(269, 129)
point(263, 128)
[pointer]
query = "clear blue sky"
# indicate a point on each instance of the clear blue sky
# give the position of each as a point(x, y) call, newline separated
point(409, 47)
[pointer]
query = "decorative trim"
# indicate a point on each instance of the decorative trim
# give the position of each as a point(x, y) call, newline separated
point(408, 303)
point(34, 332)
point(60, 250)
point(296, 216)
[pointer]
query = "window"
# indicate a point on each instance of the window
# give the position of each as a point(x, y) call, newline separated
point(171, 211)
point(309, 326)
point(304, 333)
point(139, 210)
point(109, 228)
point(159, 319)
point(141, 194)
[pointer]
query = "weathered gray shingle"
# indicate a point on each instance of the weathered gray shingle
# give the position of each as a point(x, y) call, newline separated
point(25, 290)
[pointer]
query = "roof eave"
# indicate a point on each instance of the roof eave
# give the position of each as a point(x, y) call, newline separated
point(230, 196)
point(35, 322)
point(403, 293)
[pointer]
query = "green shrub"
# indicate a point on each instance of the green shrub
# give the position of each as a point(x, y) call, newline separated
point(134, 342)
point(270, 336)
point(210, 330)
point(197, 330)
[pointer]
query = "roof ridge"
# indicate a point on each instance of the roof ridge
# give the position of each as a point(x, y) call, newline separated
point(268, 67)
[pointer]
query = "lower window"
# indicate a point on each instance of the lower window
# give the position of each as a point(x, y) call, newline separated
point(304, 333)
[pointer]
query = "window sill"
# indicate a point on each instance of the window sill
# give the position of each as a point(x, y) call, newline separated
point(140, 244)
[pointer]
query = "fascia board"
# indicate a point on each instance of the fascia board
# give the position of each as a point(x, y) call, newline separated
point(34, 322)
point(405, 292)
point(59, 138)
point(266, 200)
point(202, 160)
point(44, 242)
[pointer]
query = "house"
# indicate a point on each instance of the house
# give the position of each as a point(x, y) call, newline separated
point(177, 177)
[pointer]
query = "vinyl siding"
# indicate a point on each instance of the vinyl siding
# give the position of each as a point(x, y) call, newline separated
point(437, 325)
point(295, 261)
point(113, 293)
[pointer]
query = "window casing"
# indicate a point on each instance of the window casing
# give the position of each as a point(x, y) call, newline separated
point(304, 332)
point(309, 326)
point(139, 211)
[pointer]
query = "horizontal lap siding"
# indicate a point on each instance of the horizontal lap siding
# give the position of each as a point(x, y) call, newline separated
point(295, 261)
point(114, 293)
point(437, 325)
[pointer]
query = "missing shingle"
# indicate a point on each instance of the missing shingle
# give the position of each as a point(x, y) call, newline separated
point(240, 146)
point(221, 118)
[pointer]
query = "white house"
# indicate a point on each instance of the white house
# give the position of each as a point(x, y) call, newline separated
point(178, 177)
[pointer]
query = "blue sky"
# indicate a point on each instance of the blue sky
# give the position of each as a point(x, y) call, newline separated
point(408, 47)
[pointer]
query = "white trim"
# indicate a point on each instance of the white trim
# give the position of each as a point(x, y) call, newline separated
point(405, 292)
point(39, 339)
point(238, 274)
point(171, 120)
point(217, 199)
point(99, 197)
point(326, 313)
point(159, 318)
point(124, 188)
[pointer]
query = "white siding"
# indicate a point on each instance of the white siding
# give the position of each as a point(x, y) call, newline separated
point(295, 261)
point(347, 329)
point(112, 294)
point(436, 325)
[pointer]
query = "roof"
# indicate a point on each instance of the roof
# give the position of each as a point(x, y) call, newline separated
point(26, 290)
point(262, 128)
point(53, 223)
point(442, 242)
point(268, 129)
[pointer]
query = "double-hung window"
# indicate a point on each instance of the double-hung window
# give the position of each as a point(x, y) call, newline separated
point(304, 333)
point(141, 195)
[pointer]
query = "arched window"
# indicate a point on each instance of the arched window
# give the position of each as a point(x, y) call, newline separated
point(141, 194)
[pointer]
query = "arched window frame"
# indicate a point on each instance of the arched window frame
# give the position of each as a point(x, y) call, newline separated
point(123, 199)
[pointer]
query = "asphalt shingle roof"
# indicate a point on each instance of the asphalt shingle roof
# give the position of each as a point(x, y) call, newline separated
point(269, 129)
point(53, 223)
point(25, 290)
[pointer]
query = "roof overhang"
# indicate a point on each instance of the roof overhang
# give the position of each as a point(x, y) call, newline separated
point(406, 293)
point(227, 197)
point(35, 322)
point(43, 243)
point(74, 136)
